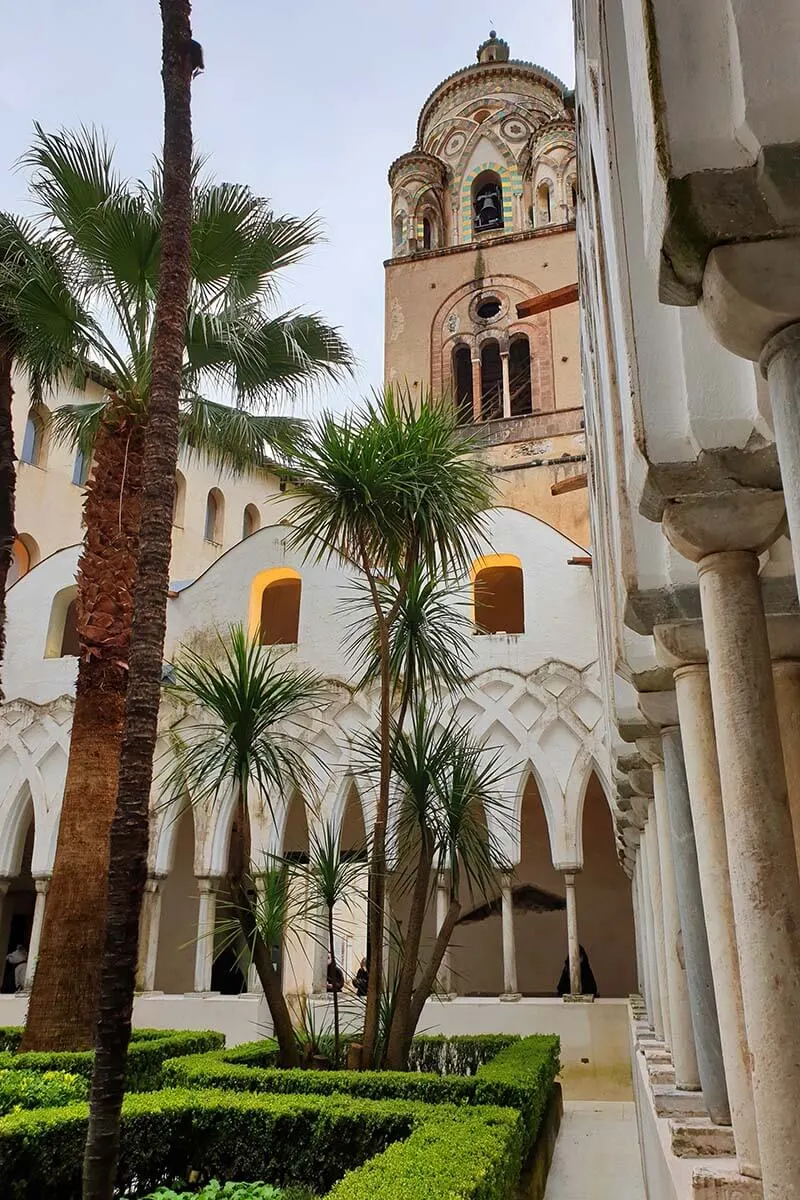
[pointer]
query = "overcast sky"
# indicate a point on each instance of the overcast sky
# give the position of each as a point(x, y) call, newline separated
point(307, 101)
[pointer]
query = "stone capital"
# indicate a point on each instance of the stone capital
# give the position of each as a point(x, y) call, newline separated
point(748, 519)
point(659, 708)
point(683, 643)
point(751, 290)
point(651, 750)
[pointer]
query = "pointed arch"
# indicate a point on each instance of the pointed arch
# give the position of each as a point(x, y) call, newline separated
point(16, 819)
point(166, 820)
point(552, 801)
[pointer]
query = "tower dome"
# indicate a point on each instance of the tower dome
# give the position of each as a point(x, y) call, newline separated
point(494, 49)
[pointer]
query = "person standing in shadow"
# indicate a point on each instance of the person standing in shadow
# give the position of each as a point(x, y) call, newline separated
point(588, 984)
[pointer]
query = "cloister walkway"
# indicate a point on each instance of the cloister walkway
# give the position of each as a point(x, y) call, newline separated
point(597, 1153)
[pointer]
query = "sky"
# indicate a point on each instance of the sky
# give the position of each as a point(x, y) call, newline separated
point(307, 101)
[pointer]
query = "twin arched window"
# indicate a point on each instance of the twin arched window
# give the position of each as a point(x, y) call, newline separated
point(499, 595)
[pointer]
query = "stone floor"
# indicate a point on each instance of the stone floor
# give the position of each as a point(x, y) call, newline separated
point(597, 1153)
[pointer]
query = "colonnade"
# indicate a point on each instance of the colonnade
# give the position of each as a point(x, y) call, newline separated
point(716, 886)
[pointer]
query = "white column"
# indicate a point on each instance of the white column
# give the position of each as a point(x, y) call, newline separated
point(573, 945)
point(204, 951)
point(654, 1003)
point(253, 981)
point(684, 1056)
point(651, 834)
point(780, 363)
point(510, 991)
point(477, 414)
point(637, 931)
point(442, 904)
point(693, 691)
point(149, 926)
point(639, 871)
point(42, 884)
point(506, 383)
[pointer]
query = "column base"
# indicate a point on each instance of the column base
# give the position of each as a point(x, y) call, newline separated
point(711, 1183)
point(445, 997)
point(569, 998)
point(509, 997)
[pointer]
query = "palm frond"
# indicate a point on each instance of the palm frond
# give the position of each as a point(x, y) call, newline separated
point(76, 425)
point(234, 440)
point(253, 706)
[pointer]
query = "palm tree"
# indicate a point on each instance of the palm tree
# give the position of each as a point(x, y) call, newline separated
point(450, 789)
point(394, 488)
point(129, 830)
point(108, 234)
point(252, 707)
point(40, 323)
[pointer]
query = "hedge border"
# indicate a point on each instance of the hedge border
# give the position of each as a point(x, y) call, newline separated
point(519, 1076)
point(406, 1149)
point(147, 1053)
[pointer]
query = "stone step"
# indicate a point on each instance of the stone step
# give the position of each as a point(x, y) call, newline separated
point(674, 1102)
point(724, 1183)
point(700, 1138)
point(657, 1054)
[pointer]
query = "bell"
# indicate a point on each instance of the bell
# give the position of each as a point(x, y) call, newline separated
point(487, 210)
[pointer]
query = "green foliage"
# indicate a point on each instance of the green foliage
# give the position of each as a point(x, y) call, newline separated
point(466, 1155)
point(147, 1052)
point(10, 1036)
point(224, 1191)
point(39, 1089)
point(512, 1072)
point(168, 1135)
point(460, 1055)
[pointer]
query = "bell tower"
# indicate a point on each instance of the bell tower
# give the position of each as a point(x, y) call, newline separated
point(483, 212)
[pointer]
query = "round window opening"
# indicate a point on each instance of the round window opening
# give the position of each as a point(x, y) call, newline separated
point(488, 308)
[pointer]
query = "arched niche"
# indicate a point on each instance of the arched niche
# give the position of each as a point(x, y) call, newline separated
point(62, 634)
point(491, 381)
point(498, 595)
point(251, 520)
point(24, 555)
point(462, 383)
point(275, 596)
point(519, 373)
point(180, 903)
point(34, 438)
point(179, 504)
point(214, 523)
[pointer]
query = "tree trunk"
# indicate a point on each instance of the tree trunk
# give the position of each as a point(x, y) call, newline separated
point(332, 952)
point(425, 985)
point(398, 1035)
point(8, 481)
point(239, 866)
point(129, 832)
point(377, 862)
point(63, 1005)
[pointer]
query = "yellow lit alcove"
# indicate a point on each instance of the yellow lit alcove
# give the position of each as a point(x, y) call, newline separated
point(274, 617)
point(498, 594)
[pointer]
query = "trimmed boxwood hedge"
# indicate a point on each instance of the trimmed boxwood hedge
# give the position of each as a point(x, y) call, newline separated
point(520, 1076)
point(39, 1089)
point(434, 1152)
point(148, 1050)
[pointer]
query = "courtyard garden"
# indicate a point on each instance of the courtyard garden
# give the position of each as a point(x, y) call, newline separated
point(465, 1121)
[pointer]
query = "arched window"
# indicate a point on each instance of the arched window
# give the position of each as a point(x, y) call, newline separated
point(24, 555)
point(462, 384)
point(487, 202)
point(427, 234)
point(80, 469)
point(398, 230)
point(33, 440)
point(519, 372)
point(251, 520)
point(543, 204)
point(499, 597)
point(179, 502)
point(275, 607)
point(573, 197)
point(215, 516)
point(491, 382)
point(62, 631)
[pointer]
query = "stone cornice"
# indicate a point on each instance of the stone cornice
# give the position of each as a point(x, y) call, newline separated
point(465, 247)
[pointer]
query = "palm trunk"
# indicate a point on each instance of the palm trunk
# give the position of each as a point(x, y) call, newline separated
point(239, 865)
point(332, 952)
point(63, 1005)
point(377, 865)
point(425, 985)
point(129, 831)
point(8, 481)
point(395, 1051)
